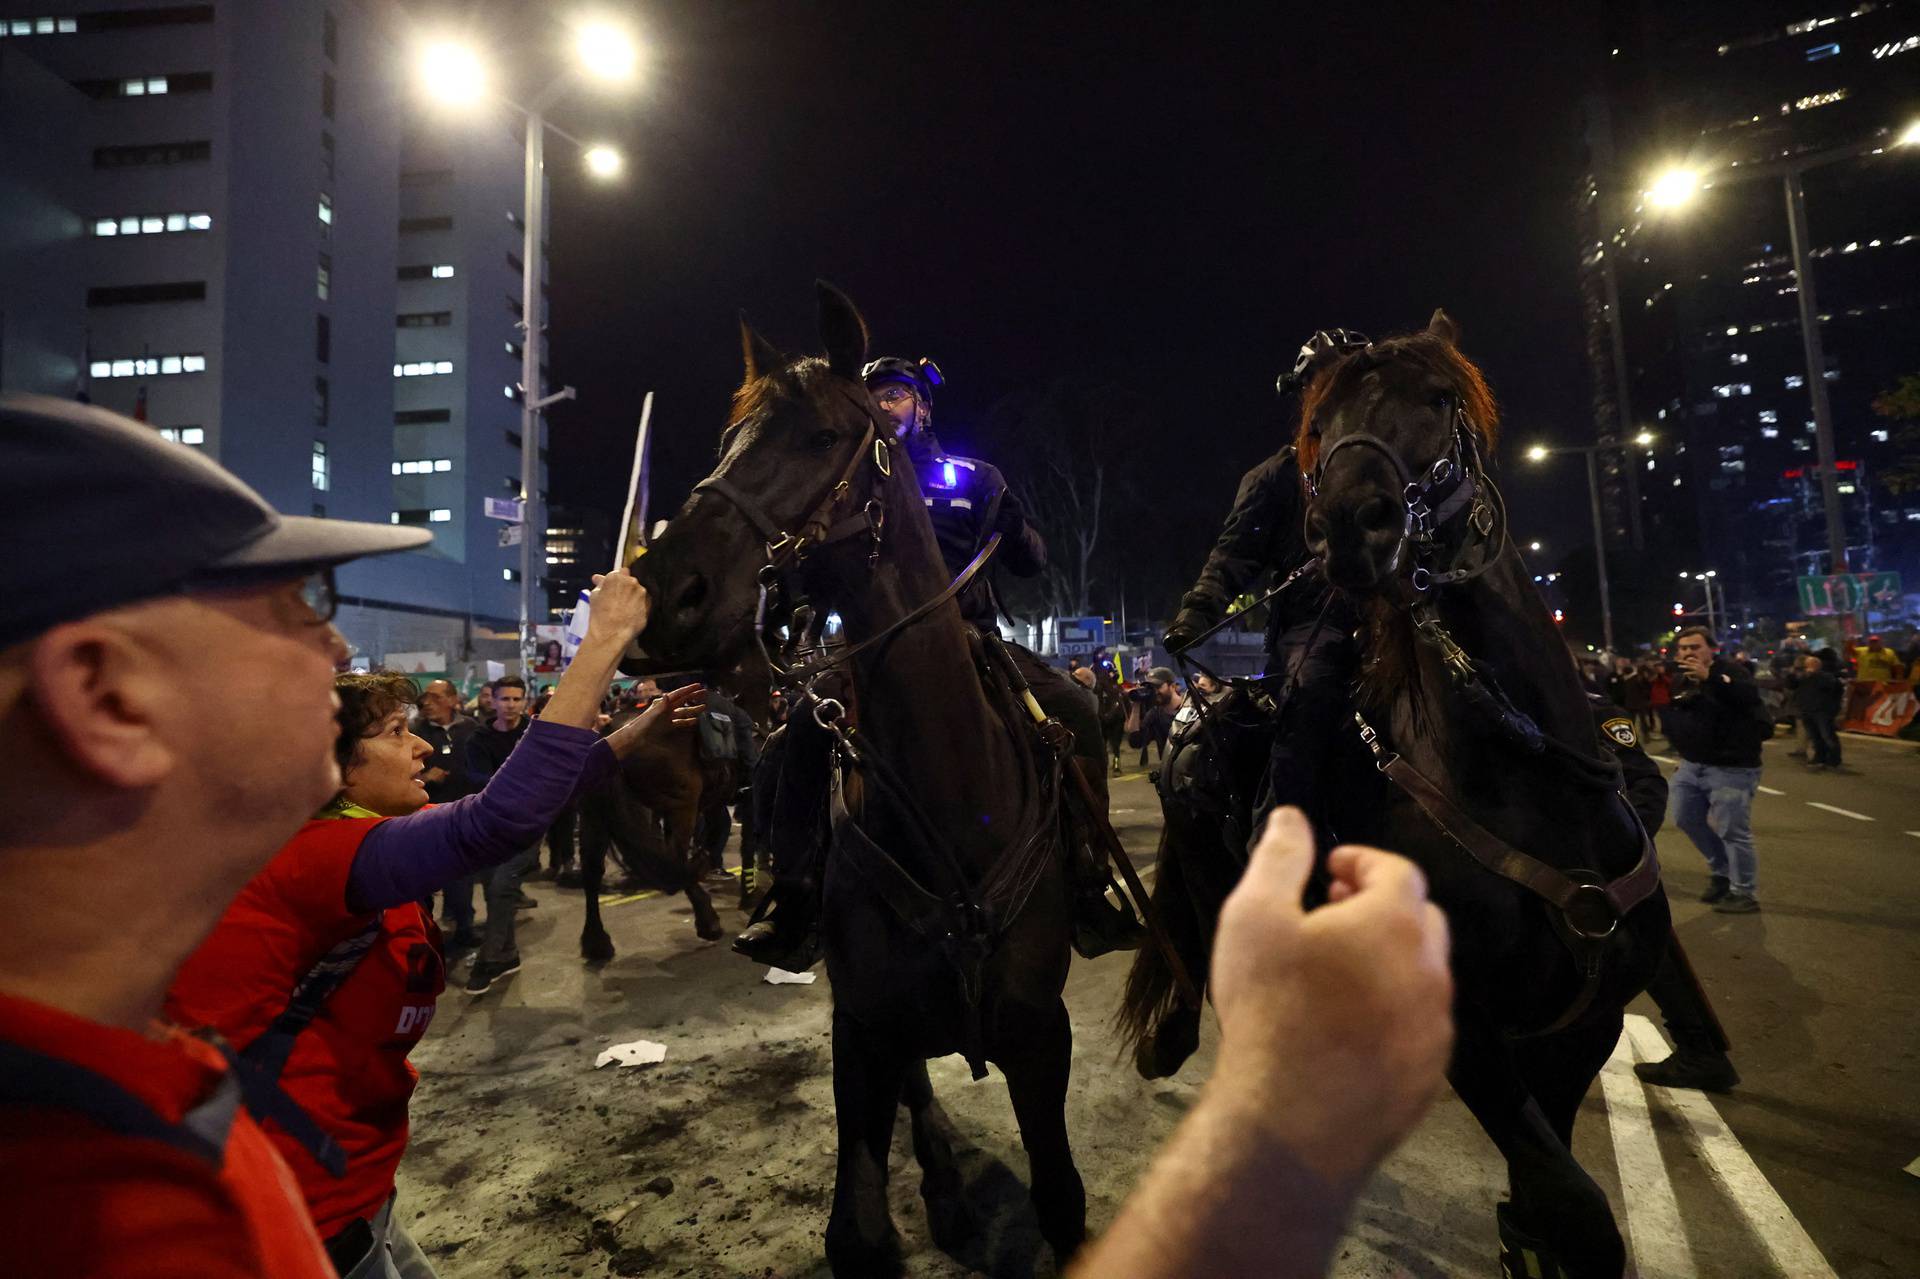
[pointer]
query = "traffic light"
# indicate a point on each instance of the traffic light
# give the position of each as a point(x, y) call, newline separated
point(1559, 616)
point(1679, 609)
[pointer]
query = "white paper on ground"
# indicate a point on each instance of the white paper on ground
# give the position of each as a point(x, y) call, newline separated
point(781, 977)
point(641, 1052)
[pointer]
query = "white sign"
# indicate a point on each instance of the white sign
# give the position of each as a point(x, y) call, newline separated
point(510, 535)
point(416, 663)
point(509, 509)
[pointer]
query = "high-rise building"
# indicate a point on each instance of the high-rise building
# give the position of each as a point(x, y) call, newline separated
point(1692, 311)
point(579, 544)
point(214, 223)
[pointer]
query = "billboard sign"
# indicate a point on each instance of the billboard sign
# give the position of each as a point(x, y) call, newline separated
point(1849, 593)
point(1079, 636)
point(503, 508)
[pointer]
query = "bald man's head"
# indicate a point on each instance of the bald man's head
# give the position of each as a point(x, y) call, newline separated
point(440, 701)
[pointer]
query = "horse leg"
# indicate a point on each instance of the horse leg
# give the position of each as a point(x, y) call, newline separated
point(1175, 1034)
point(867, 1085)
point(941, 1186)
point(1558, 1224)
point(595, 946)
point(1559, 1069)
point(680, 830)
point(1037, 1084)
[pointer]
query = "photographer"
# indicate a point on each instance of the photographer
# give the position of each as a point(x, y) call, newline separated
point(1716, 725)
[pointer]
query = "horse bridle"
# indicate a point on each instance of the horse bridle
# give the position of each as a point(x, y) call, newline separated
point(820, 528)
point(1455, 484)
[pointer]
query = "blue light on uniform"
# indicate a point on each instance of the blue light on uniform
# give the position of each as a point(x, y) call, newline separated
point(949, 476)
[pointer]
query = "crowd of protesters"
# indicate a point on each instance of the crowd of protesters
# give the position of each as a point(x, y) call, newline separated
point(215, 960)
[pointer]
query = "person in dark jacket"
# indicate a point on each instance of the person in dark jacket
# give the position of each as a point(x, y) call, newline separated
point(441, 725)
point(1310, 650)
point(1818, 697)
point(1716, 725)
point(487, 750)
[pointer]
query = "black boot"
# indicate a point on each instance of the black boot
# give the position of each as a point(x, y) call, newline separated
point(1700, 1068)
point(788, 938)
point(1099, 926)
point(1717, 887)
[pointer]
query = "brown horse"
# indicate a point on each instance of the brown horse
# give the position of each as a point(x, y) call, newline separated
point(953, 791)
point(665, 782)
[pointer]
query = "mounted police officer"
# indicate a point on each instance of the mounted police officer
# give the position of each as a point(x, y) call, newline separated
point(1310, 649)
point(968, 501)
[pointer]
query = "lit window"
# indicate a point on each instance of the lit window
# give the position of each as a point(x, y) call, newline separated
point(1661, 415)
point(1844, 488)
point(1880, 436)
point(1734, 467)
point(439, 515)
point(1768, 415)
point(326, 209)
point(443, 464)
point(176, 221)
point(443, 271)
point(1738, 357)
point(1794, 381)
point(199, 222)
point(320, 466)
point(152, 226)
point(106, 226)
point(1832, 375)
point(508, 575)
point(322, 280)
point(1769, 432)
point(148, 366)
point(425, 368)
point(194, 435)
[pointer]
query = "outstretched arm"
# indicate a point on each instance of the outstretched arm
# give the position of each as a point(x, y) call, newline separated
point(1334, 1030)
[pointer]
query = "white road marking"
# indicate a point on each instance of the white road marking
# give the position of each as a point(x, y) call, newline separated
point(1654, 1230)
point(1772, 1223)
point(1768, 790)
point(1914, 833)
point(1844, 812)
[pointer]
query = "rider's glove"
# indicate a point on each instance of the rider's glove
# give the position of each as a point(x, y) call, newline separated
point(1187, 624)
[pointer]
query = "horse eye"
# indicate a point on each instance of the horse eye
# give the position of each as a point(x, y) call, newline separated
point(1444, 400)
point(823, 440)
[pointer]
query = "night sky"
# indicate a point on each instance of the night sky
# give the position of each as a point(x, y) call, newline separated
point(1167, 197)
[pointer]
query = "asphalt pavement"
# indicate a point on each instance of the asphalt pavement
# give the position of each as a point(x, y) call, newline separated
point(528, 1161)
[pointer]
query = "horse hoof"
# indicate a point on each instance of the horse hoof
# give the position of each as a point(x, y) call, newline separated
point(709, 929)
point(596, 948)
point(567, 878)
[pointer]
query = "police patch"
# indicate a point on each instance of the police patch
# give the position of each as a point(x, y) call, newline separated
point(1621, 730)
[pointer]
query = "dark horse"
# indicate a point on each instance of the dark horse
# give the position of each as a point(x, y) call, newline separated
point(1468, 685)
point(668, 782)
point(804, 459)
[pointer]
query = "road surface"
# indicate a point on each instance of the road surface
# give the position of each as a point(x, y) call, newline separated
point(719, 1161)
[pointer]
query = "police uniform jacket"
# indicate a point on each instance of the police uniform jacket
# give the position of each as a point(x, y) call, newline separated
point(968, 501)
point(1642, 781)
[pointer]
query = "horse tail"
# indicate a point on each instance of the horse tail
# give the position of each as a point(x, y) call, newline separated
point(1150, 993)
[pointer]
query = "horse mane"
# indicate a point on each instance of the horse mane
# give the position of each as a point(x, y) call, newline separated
point(761, 391)
point(1424, 350)
point(1393, 658)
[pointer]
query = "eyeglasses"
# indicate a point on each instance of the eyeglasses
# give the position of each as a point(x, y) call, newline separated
point(318, 593)
point(888, 396)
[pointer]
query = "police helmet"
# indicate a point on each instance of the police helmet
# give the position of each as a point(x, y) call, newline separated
point(921, 375)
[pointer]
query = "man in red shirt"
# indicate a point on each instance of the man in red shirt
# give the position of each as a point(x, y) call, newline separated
point(149, 599)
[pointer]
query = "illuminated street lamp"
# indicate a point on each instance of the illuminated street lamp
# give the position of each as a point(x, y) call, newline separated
point(1540, 453)
point(1676, 187)
point(454, 74)
point(604, 162)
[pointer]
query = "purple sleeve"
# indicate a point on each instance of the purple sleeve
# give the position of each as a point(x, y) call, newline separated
point(602, 764)
point(405, 858)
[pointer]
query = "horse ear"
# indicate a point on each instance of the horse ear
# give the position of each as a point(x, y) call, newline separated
point(761, 355)
point(1443, 327)
point(842, 331)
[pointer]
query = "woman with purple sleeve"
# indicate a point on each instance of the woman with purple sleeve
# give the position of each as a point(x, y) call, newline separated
point(325, 971)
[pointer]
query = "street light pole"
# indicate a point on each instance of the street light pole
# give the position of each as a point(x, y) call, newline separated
point(1600, 549)
point(1816, 372)
point(530, 385)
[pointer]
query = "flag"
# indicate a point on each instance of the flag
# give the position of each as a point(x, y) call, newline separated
point(631, 537)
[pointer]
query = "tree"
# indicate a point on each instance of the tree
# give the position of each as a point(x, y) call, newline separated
point(1902, 404)
point(1067, 453)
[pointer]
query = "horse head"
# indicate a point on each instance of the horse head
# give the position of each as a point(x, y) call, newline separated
point(805, 464)
point(1391, 440)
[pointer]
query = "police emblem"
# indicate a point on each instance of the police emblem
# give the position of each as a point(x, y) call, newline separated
point(1620, 730)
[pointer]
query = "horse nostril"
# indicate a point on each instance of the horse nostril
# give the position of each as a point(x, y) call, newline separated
point(1376, 515)
point(693, 594)
point(1316, 529)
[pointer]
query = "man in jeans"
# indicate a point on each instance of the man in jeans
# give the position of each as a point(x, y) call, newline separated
point(442, 726)
point(1716, 725)
point(487, 749)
